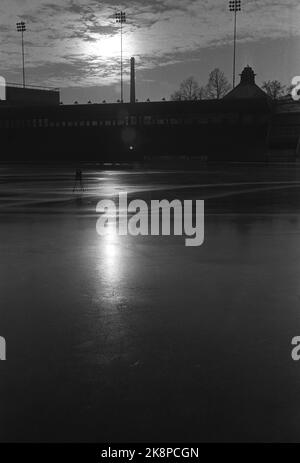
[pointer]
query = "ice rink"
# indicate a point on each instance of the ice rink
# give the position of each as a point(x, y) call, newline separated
point(130, 339)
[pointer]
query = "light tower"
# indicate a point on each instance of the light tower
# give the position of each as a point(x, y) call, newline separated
point(234, 6)
point(21, 27)
point(121, 19)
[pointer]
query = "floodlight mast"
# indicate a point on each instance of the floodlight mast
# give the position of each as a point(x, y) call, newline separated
point(234, 6)
point(21, 27)
point(121, 19)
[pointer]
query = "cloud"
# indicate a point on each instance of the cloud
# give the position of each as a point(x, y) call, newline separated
point(78, 41)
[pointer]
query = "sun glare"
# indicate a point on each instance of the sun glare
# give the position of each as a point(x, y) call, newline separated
point(110, 254)
point(109, 47)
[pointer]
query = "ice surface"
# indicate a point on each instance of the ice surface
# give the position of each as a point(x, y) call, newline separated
point(139, 339)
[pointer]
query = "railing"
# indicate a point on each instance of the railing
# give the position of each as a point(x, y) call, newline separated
point(36, 87)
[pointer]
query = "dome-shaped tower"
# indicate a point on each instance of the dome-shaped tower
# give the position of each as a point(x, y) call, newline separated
point(248, 76)
point(247, 87)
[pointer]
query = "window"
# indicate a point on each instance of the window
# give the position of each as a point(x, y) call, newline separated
point(215, 118)
point(203, 119)
point(147, 120)
point(160, 121)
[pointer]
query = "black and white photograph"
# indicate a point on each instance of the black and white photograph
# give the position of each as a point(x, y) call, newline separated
point(149, 226)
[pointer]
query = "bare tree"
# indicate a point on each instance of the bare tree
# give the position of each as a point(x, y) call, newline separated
point(218, 85)
point(202, 94)
point(274, 88)
point(189, 90)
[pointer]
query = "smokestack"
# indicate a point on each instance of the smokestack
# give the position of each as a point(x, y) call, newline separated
point(132, 80)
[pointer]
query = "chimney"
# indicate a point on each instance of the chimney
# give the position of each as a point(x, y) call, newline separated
point(132, 80)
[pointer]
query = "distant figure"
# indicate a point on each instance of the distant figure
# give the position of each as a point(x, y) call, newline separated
point(78, 180)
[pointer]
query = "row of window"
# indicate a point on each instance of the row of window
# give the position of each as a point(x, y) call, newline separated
point(134, 120)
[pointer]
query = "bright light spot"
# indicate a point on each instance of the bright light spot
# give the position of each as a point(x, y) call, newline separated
point(106, 47)
point(110, 231)
point(109, 253)
point(110, 250)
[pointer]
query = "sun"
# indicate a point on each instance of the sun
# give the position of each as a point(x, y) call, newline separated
point(109, 47)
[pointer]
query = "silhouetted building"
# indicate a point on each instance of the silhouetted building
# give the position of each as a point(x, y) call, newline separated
point(217, 130)
point(246, 125)
point(283, 137)
point(17, 95)
point(247, 87)
point(284, 134)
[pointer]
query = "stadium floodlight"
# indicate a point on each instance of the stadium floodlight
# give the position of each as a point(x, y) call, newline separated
point(234, 6)
point(21, 27)
point(121, 19)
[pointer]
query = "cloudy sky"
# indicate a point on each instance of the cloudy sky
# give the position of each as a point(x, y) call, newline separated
point(75, 44)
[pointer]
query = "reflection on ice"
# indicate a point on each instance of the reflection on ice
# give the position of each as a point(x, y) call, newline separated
point(176, 344)
point(109, 252)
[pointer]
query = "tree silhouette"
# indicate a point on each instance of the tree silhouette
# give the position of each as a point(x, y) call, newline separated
point(217, 85)
point(273, 88)
point(189, 90)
